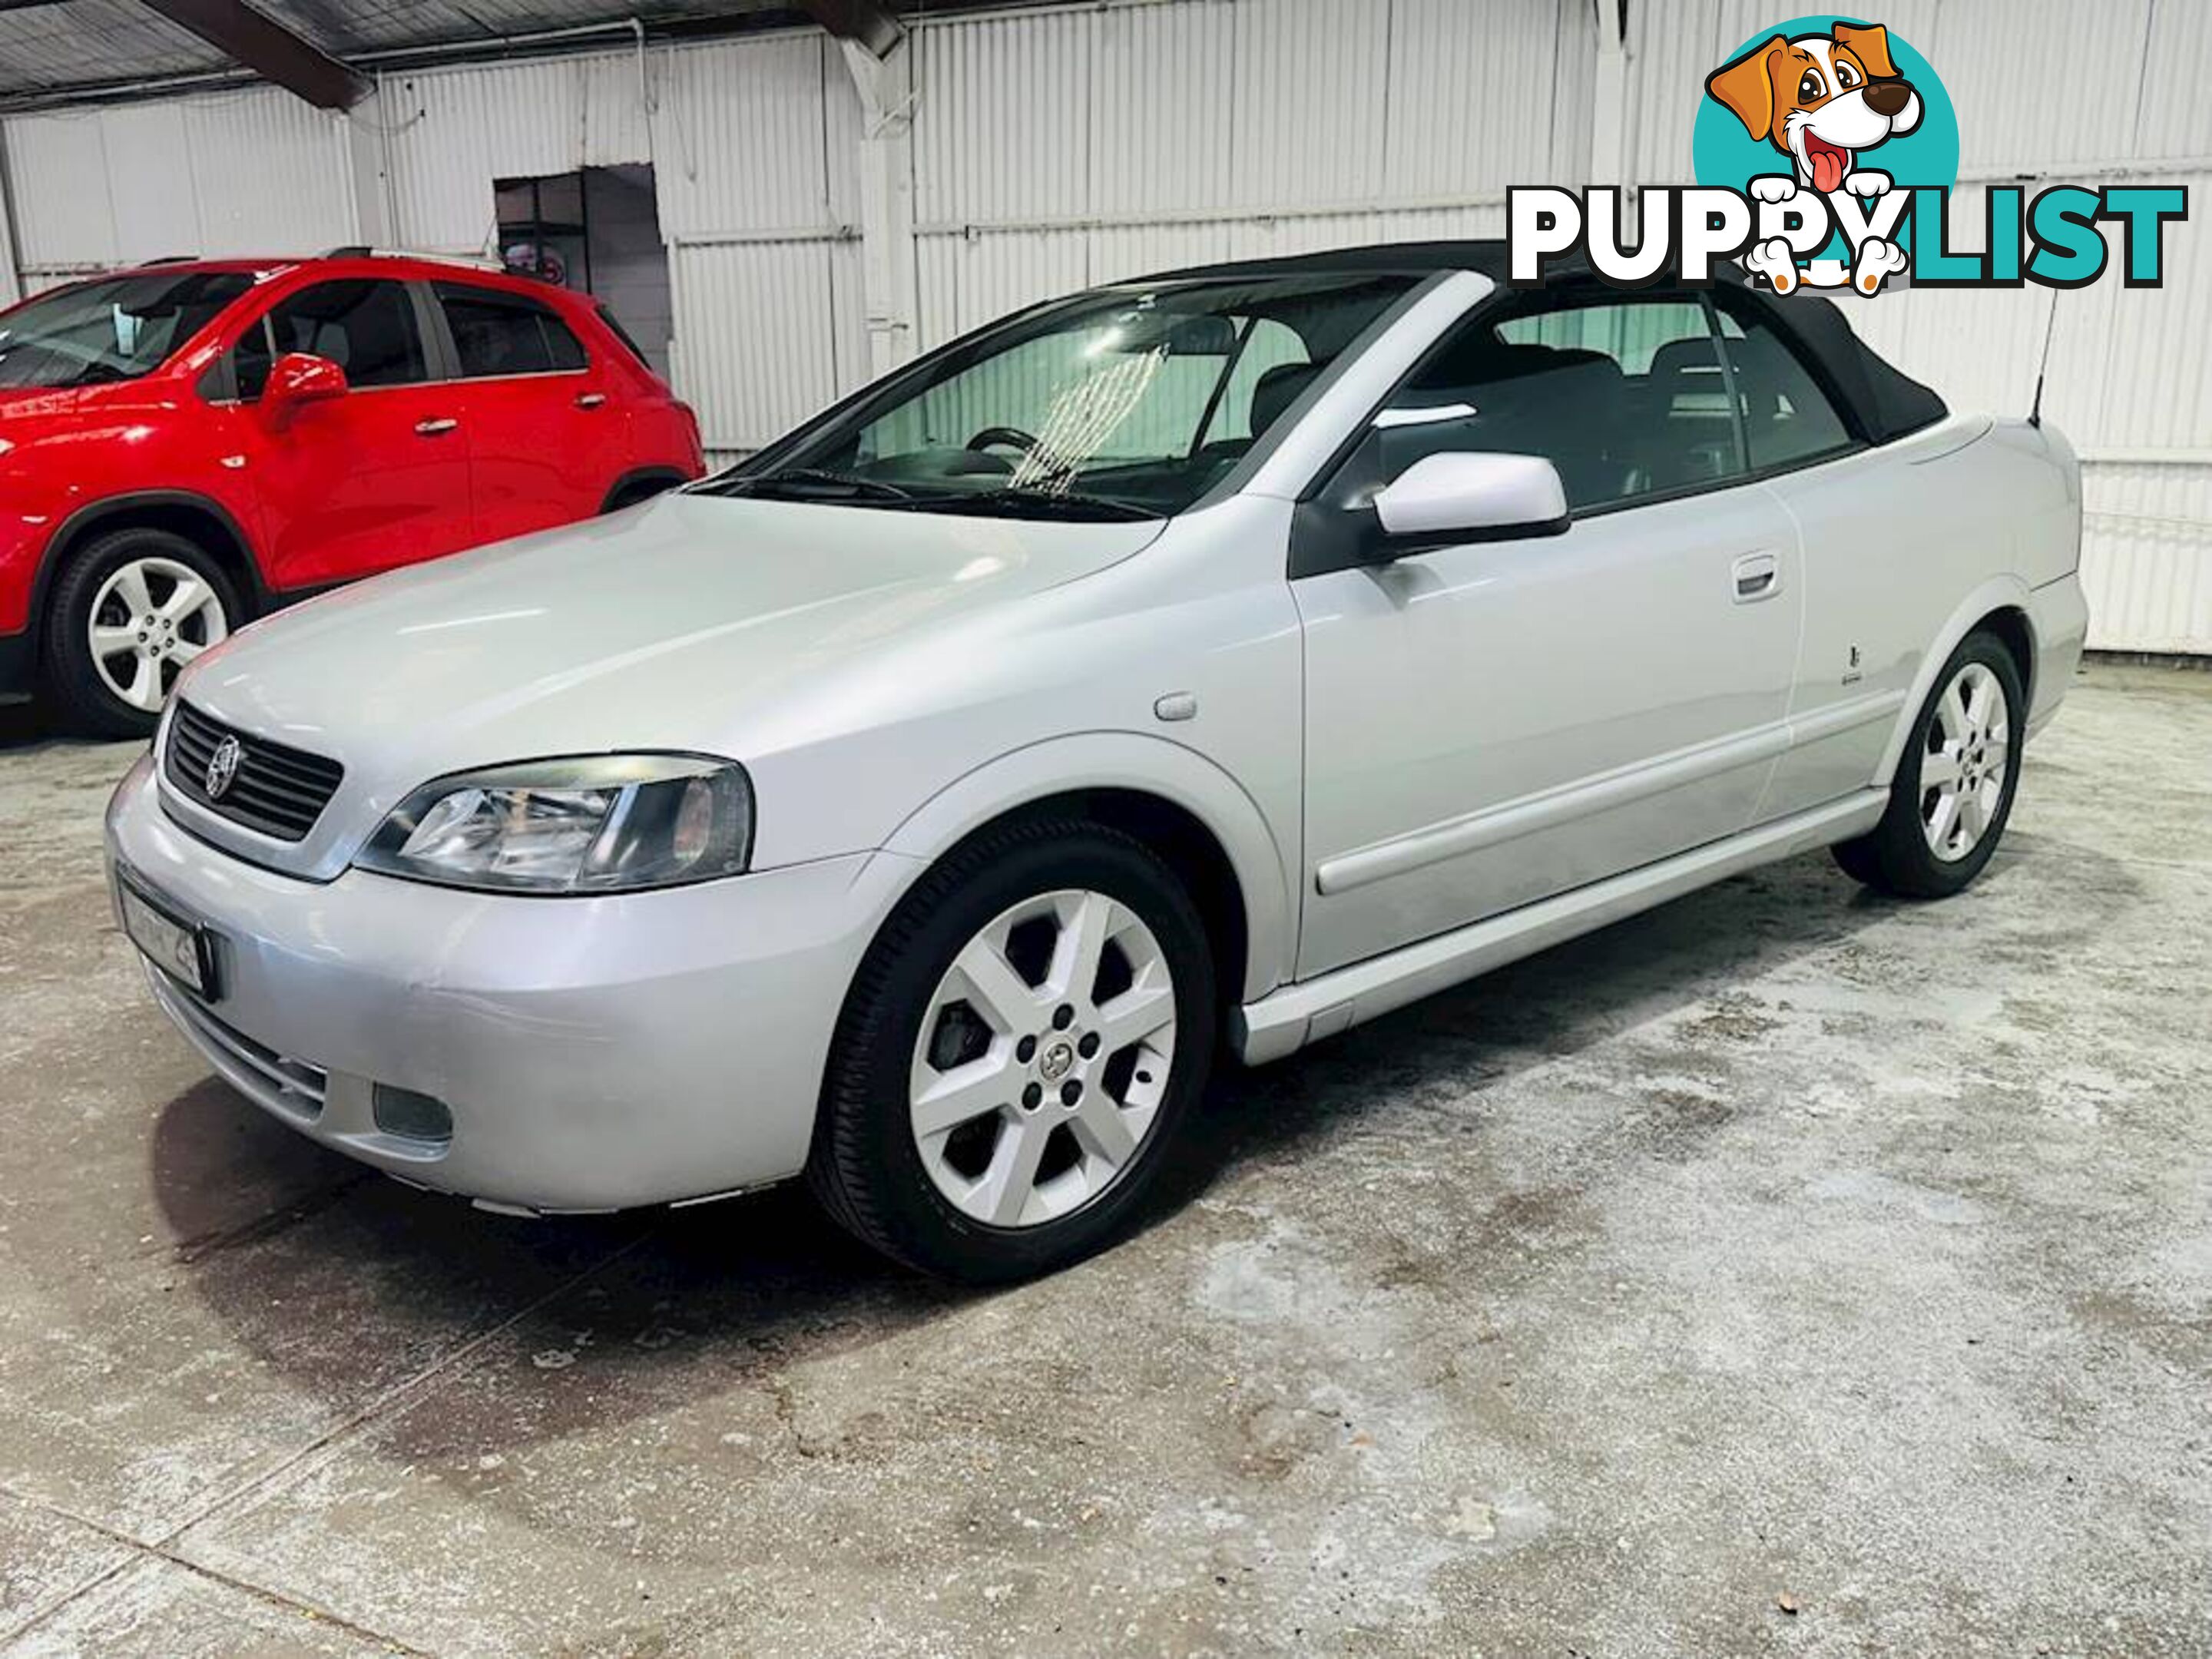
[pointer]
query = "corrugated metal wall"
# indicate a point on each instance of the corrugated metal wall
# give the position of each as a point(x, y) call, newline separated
point(2056, 91)
point(1088, 144)
point(753, 146)
point(1058, 147)
point(243, 172)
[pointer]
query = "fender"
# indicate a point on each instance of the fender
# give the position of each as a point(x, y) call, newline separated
point(87, 518)
point(1997, 593)
point(1145, 765)
point(666, 476)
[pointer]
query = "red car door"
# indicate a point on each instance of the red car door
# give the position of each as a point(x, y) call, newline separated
point(357, 484)
point(548, 432)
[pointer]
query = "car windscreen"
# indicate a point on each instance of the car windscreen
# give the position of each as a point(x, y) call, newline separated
point(1127, 403)
point(115, 329)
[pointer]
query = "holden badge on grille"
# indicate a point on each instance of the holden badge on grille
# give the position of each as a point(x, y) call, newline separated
point(222, 766)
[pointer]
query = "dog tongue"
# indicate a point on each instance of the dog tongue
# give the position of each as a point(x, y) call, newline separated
point(1827, 170)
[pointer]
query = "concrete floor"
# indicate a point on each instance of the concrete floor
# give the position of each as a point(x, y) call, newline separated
point(1784, 1250)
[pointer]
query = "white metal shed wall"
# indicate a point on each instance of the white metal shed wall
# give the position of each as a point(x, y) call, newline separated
point(753, 145)
point(2047, 91)
point(1058, 147)
point(249, 172)
point(1054, 148)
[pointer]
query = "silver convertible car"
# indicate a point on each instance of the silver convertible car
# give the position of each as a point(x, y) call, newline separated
point(1198, 665)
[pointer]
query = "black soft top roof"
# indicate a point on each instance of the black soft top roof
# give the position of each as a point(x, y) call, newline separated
point(1888, 403)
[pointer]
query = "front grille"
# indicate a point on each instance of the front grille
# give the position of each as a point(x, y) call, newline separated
point(281, 791)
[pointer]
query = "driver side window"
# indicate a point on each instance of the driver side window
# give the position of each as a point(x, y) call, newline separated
point(1626, 398)
point(365, 326)
point(250, 361)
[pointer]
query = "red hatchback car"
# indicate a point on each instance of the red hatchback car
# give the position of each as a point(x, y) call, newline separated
point(186, 445)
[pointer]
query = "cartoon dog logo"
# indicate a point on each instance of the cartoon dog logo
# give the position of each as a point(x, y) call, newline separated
point(1823, 100)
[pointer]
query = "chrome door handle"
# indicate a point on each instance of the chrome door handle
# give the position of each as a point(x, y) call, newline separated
point(1757, 576)
point(435, 428)
point(591, 399)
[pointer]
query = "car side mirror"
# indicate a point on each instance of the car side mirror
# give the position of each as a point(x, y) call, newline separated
point(1460, 497)
point(298, 378)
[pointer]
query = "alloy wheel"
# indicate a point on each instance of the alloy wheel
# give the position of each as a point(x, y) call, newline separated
point(1962, 775)
point(1043, 1058)
point(150, 618)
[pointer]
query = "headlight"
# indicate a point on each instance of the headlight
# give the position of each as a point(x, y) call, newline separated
point(594, 825)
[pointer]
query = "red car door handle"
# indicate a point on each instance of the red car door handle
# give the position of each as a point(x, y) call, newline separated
point(437, 429)
point(591, 399)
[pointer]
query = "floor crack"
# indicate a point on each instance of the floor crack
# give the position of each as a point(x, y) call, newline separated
point(283, 1220)
point(168, 1546)
point(140, 1550)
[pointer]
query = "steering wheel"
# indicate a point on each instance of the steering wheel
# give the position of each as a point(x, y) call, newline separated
point(1010, 437)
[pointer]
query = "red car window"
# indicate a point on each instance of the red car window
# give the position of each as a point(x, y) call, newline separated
point(366, 326)
point(497, 333)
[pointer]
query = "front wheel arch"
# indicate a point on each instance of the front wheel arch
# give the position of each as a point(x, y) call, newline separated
point(1181, 840)
point(1175, 799)
point(205, 523)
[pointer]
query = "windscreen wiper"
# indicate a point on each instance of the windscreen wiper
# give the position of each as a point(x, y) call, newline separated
point(812, 484)
point(1036, 504)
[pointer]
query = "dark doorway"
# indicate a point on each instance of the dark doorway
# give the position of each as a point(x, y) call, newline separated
point(597, 230)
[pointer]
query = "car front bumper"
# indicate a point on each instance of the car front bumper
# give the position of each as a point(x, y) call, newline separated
point(593, 1052)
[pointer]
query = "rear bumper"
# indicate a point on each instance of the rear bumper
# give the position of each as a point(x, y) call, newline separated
point(19, 665)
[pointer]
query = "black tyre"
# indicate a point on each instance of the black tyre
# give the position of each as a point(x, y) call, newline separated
point(1952, 793)
point(1016, 1054)
point(129, 610)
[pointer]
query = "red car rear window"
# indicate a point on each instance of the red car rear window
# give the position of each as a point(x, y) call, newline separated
point(622, 334)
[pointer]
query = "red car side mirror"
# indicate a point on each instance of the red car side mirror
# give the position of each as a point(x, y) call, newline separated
point(297, 379)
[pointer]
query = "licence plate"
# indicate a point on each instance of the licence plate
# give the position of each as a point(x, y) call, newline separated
point(177, 947)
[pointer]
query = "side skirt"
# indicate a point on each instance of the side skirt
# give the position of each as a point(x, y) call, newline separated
point(1285, 1020)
